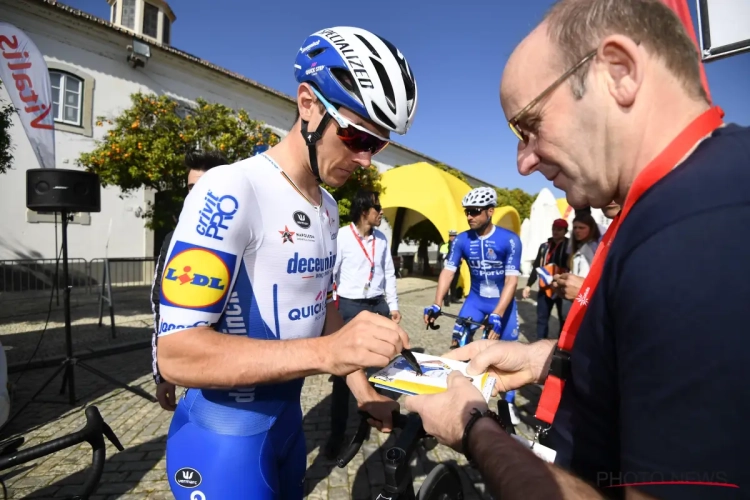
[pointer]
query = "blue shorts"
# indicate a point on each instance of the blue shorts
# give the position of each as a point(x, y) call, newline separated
point(477, 308)
point(216, 450)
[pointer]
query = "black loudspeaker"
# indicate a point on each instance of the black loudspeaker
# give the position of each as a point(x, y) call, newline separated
point(57, 190)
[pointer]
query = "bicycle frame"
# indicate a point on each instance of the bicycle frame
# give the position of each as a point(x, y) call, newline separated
point(93, 432)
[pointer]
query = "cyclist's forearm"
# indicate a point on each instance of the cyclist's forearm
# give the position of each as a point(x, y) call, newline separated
point(511, 471)
point(360, 387)
point(444, 283)
point(509, 291)
point(202, 357)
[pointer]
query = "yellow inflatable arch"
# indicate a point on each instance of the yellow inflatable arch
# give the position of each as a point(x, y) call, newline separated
point(428, 192)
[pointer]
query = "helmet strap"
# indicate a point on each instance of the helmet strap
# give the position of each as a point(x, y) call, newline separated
point(311, 139)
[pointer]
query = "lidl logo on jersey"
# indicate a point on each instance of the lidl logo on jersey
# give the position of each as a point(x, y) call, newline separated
point(311, 267)
point(197, 278)
point(216, 212)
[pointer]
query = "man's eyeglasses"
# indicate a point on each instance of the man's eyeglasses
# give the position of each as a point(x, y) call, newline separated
point(355, 137)
point(514, 123)
point(473, 212)
point(377, 208)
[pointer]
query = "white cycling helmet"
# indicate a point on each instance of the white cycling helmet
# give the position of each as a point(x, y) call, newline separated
point(361, 71)
point(480, 197)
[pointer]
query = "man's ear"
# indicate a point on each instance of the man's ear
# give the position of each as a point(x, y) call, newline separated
point(624, 68)
point(306, 101)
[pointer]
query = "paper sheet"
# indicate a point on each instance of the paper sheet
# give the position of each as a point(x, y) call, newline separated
point(399, 377)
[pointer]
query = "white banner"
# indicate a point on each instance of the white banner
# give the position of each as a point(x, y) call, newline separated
point(26, 79)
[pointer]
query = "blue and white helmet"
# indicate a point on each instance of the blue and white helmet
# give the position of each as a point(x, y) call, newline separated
point(362, 72)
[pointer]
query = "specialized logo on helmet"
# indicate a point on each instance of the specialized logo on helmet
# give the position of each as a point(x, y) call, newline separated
point(197, 278)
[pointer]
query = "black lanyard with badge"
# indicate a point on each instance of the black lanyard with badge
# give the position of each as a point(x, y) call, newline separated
point(370, 260)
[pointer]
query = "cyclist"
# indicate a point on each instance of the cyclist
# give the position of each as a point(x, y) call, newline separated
point(246, 310)
point(493, 255)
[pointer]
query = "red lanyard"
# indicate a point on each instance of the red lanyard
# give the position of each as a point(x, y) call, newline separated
point(550, 252)
point(371, 261)
point(653, 173)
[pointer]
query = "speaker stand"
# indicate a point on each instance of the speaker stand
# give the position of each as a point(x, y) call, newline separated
point(70, 362)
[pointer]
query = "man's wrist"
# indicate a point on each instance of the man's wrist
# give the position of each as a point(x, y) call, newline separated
point(541, 359)
point(484, 428)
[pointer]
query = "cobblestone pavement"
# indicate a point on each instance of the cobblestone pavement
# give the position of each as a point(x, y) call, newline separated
point(139, 471)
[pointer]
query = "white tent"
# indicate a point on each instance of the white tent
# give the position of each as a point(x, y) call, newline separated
point(544, 211)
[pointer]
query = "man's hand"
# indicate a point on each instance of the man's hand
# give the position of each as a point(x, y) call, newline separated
point(165, 393)
point(513, 364)
point(381, 408)
point(396, 316)
point(526, 292)
point(446, 414)
point(496, 322)
point(568, 285)
point(368, 340)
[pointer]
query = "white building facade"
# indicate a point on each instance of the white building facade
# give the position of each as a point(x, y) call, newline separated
point(90, 76)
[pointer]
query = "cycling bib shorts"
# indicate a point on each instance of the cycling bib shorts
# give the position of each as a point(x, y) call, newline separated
point(250, 257)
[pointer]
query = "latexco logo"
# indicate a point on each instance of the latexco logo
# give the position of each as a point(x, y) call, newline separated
point(187, 477)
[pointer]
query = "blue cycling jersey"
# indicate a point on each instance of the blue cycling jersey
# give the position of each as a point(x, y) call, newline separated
point(490, 259)
point(250, 257)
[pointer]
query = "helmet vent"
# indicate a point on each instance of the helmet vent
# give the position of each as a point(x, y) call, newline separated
point(381, 116)
point(315, 53)
point(345, 79)
point(386, 83)
point(368, 45)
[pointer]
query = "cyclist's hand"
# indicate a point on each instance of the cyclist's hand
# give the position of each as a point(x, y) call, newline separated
point(496, 321)
point(165, 393)
point(381, 408)
point(445, 415)
point(433, 311)
point(526, 292)
point(511, 363)
point(396, 316)
point(368, 340)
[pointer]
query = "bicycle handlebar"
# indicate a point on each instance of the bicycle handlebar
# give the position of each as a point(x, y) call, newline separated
point(459, 319)
point(93, 432)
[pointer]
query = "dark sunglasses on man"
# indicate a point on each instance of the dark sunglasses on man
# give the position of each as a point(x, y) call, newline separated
point(473, 212)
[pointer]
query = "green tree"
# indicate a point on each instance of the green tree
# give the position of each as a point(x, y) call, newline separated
point(146, 145)
point(6, 147)
point(516, 198)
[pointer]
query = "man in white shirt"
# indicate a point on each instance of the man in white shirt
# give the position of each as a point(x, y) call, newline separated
point(365, 281)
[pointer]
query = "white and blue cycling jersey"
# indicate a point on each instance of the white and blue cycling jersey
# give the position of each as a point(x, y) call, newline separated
point(251, 257)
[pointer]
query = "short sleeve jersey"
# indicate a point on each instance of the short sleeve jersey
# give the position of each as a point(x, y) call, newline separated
point(250, 256)
point(490, 259)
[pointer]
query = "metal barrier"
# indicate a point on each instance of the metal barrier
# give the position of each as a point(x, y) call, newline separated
point(38, 275)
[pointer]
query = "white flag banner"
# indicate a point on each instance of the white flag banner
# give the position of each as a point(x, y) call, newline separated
point(26, 79)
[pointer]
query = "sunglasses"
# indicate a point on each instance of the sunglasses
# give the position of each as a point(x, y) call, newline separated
point(514, 123)
point(378, 208)
point(473, 212)
point(355, 137)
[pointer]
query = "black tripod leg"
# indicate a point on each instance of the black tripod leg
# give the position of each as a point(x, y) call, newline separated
point(64, 381)
point(135, 390)
point(38, 392)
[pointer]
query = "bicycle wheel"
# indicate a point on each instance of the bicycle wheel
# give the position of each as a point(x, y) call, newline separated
point(442, 483)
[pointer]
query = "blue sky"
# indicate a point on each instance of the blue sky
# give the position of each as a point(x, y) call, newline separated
point(457, 51)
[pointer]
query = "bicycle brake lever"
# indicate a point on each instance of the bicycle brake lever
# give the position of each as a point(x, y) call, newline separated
point(110, 434)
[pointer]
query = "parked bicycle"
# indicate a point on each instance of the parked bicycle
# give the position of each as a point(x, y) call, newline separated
point(93, 433)
point(465, 323)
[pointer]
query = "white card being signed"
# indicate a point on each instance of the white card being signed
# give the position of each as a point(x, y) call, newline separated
point(398, 376)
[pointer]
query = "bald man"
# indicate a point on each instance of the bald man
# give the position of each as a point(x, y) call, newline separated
point(606, 101)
